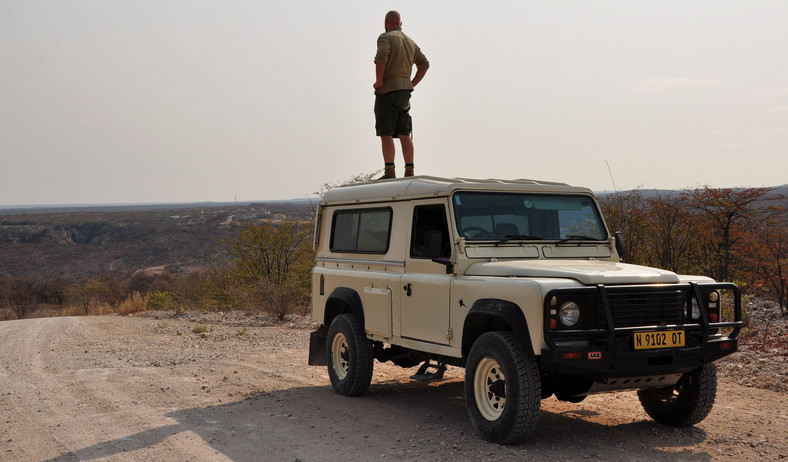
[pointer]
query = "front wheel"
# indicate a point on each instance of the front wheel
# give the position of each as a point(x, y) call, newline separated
point(687, 402)
point(348, 356)
point(502, 388)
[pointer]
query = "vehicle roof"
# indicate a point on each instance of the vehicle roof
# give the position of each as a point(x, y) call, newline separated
point(428, 186)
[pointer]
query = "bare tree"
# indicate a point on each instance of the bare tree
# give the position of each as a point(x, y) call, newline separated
point(624, 211)
point(669, 228)
point(20, 294)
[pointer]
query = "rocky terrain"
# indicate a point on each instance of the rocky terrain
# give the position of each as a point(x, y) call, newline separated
point(762, 359)
point(76, 245)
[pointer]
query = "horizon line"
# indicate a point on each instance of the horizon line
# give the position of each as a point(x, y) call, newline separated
point(144, 204)
point(6, 207)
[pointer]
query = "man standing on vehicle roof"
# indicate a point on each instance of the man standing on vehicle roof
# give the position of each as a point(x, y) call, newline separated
point(396, 55)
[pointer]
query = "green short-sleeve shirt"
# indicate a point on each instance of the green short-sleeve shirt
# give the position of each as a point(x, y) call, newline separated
point(400, 53)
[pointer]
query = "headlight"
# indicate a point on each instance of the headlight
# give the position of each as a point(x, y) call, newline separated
point(569, 313)
point(695, 309)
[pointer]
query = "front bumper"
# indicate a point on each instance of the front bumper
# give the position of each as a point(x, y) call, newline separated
point(597, 364)
point(603, 347)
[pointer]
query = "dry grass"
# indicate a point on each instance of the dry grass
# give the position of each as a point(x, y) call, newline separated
point(93, 308)
point(133, 304)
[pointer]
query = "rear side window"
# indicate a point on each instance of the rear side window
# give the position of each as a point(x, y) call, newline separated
point(361, 230)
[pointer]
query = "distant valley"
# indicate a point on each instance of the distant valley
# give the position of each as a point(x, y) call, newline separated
point(76, 243)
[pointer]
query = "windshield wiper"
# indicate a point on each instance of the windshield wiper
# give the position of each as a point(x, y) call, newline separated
point(519, 237)
point(577, 237)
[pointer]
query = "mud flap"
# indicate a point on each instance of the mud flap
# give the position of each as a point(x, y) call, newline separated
point(317, 346)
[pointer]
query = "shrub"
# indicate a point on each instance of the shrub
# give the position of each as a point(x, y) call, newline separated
point(275, 252)
point(277, 299)
point(220, 290)
point(163, 300)
point(133, 304)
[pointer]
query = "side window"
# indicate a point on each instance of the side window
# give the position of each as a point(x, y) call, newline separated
point(426, 219)
point(361, 230)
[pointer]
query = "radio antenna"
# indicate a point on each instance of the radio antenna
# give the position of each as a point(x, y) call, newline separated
point(611, 176)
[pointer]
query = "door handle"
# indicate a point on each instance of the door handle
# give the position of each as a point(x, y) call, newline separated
point(407, 289)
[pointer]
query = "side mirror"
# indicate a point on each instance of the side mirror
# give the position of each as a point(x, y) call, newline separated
point(433, 244)
point(620, 248)
point(433, 248)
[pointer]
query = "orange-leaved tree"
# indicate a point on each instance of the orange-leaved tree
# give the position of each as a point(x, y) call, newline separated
point(767, 258)
point(728, 216)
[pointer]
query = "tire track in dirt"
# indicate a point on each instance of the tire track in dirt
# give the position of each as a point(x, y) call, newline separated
point(58, 409)
point(121, 388)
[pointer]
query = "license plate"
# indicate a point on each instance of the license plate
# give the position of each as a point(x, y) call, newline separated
point(661, 339)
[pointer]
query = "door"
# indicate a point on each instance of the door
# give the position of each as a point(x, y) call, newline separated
point(425, 286)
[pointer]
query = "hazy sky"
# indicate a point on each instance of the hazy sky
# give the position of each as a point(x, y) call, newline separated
point(131, 101)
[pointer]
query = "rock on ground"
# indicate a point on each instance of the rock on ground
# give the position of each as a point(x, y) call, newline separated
point(231, 387)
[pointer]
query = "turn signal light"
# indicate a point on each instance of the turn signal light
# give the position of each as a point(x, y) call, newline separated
point(575, 355)
point(713, 317)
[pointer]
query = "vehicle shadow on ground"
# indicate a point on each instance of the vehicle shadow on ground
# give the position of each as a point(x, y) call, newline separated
point(403, 419)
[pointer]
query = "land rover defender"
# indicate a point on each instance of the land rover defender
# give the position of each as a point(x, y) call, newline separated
point(521, 283)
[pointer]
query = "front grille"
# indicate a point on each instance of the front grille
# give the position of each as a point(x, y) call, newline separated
point(643, 308)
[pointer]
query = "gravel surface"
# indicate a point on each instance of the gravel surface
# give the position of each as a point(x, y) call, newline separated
point(762, 359)
point(226, 386)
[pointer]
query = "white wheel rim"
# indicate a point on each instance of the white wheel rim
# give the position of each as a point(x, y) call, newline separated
point(339, 356)
point(489, 389)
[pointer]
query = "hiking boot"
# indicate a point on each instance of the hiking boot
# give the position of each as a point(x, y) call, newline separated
point(388, 172)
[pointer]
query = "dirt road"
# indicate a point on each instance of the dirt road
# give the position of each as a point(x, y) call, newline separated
point(123, 388)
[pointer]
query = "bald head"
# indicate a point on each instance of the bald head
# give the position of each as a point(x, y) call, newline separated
point(393, 19)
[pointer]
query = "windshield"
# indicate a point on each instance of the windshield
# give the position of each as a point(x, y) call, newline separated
point(519, 216)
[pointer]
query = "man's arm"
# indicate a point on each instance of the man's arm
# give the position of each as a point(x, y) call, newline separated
point(422, 64)
point(381, 58)
point(419, 75)
point(379, 69)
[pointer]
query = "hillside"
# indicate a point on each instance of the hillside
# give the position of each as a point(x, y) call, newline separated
point(76, 244)
point(777, 196)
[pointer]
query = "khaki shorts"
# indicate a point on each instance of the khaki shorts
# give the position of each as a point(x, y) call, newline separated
point(392, 114)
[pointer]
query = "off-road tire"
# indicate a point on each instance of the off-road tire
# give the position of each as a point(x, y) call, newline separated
point(348, 356)
point(502, 388)
point(686, 403)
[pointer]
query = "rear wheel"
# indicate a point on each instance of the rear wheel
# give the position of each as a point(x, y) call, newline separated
point(348, 356)
point(687, 402)
point(502, 388)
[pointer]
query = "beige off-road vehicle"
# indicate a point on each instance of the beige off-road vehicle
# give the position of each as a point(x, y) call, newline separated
point(521, 283)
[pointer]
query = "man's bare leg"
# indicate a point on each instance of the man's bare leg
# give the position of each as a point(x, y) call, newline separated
point(387, 144)
point(407, 148)
point(407, 153)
